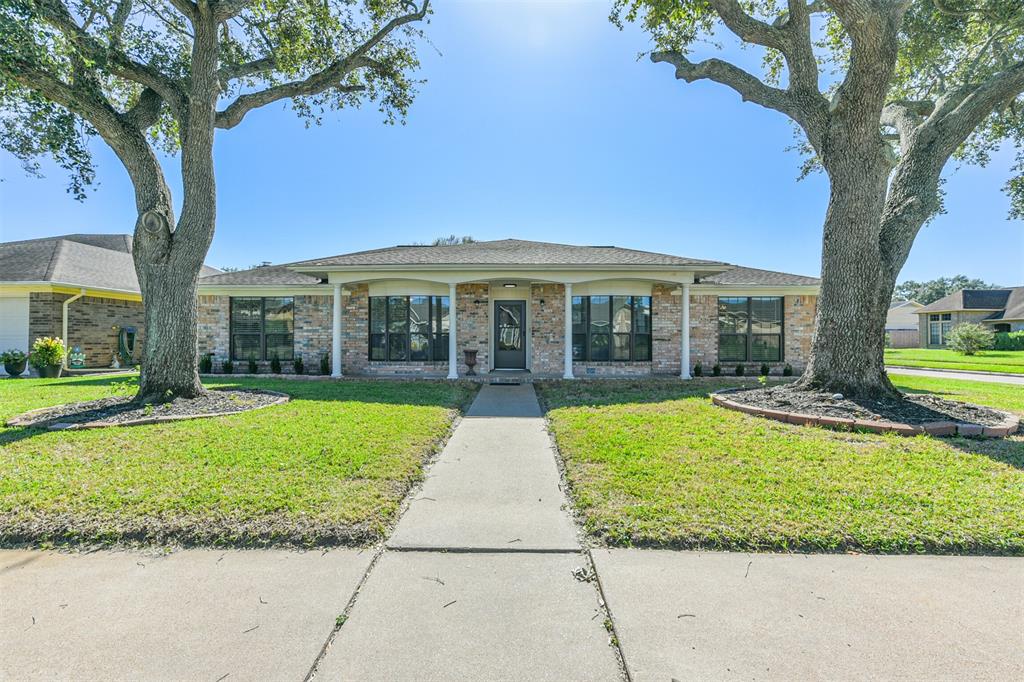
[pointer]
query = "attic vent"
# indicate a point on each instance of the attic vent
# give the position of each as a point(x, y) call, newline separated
point(603, 246)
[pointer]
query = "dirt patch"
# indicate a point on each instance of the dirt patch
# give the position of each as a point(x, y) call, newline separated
point(123, 411)
point(913, 409)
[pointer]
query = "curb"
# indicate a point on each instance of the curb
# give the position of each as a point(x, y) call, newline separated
point(1008, 426)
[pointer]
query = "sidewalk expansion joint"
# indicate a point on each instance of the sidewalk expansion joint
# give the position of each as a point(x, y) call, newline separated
point(486, 550)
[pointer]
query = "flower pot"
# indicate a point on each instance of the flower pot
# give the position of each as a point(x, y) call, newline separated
point(50, 371)
point(470, 357)
point(14, 369)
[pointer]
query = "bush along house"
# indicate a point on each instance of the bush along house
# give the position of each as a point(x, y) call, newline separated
point(505, 307)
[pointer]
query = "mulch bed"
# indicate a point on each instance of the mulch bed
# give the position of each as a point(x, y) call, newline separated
point(123, 411)
point(913, 414)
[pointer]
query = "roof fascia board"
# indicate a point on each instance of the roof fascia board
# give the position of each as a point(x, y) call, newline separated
point(756, 290)
point(263, 290)
point(566, 275)
point(66, 288)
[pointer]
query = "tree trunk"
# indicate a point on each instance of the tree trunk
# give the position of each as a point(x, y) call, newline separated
point(856, 286)
point(170, 355)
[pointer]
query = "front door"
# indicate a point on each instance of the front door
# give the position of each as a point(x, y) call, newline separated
point(510, 335)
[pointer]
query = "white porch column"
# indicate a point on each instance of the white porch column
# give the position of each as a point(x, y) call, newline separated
point(684, 371)
point(568, 331)
point(453, 361)
point(336, 334)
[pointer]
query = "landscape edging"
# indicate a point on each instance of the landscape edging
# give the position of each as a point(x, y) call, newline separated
point(24, 419)
point(1008, 426)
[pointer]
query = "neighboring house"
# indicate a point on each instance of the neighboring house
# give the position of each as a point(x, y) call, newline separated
point(550, 309)
point(901, 324)
point(1000, 309)
point(79, 287)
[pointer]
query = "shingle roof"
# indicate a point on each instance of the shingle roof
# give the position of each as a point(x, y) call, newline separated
point(970, 299)
point(100, 261)
point(267, 275)
point(506, 252)
point(1014, 309)
point(755, 277)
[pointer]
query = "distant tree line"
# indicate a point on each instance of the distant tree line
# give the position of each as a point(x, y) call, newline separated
point(933, 290)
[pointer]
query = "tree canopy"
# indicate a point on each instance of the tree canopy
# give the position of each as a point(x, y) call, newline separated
point(74, 69)
point(957, 65)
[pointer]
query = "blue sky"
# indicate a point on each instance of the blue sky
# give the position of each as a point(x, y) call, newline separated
point(537, 121)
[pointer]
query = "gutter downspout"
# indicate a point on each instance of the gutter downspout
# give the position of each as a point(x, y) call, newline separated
point(64, 324)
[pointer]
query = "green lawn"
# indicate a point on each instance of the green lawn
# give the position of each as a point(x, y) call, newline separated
point(331, 466)
point(656, 464)
point(1010, 361)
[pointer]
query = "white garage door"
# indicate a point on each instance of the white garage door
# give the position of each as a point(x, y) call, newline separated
point(13, 324)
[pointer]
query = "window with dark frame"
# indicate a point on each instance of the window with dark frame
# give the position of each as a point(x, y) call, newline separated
point(262, 327)
point(750, 328)
point(939, 326)
point(409, 328)
point(611, 328)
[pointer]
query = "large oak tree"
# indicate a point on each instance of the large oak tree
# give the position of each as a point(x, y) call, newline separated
point(884, 93)
point(163, 75)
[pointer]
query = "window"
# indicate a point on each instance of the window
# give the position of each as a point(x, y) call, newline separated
point(611, 328)
point(409, 328)
point(750, 328)
point(261, 328)
point(939, 326)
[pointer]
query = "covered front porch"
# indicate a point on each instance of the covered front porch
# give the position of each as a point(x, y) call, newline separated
point(521, 325)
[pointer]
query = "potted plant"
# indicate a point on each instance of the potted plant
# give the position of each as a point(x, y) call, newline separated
point(470, 357)
point(47, 355)
point(14, 362)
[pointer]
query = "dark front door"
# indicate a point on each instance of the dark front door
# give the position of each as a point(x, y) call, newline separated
point(510, 335)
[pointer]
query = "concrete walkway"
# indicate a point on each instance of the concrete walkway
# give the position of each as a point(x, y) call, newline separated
point(189, 615)
point(721, 615)
point(963, 376)
point(477, 581)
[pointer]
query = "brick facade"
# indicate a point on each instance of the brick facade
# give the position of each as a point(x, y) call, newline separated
point(313, 318)
point(91, 322)
point(473, 324)
point(547, 328)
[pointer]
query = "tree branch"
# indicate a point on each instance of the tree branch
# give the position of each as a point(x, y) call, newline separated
point(230, 72)
point(750, 88)
point(747, 28)
point(146, 112)
point(57, 15)
point(226, 9)
point(325, 79)
point(127, 141)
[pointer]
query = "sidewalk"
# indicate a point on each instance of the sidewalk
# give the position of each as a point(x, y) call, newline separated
point(964, 376)
point(477, 581)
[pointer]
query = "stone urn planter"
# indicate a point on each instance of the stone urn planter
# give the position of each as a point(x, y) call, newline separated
point(15, 368)
point(50, 371)
point(470, 357)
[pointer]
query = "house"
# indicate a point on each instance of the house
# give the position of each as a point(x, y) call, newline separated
point(1000, 309)
point(901, 324)
point(79, 287)
point(548, 309)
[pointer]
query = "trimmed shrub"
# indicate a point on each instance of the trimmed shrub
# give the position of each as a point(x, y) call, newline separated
point(969, 338)
point(297, 365)
point(275, 364)
point(787, 370)
point(325, 364)
point(716, 370)
point(1009, 341)
point(206, 363)
point(740, 370)
point(253, 367)
point(765, 369)
point(228, 367)
point(698, 370)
